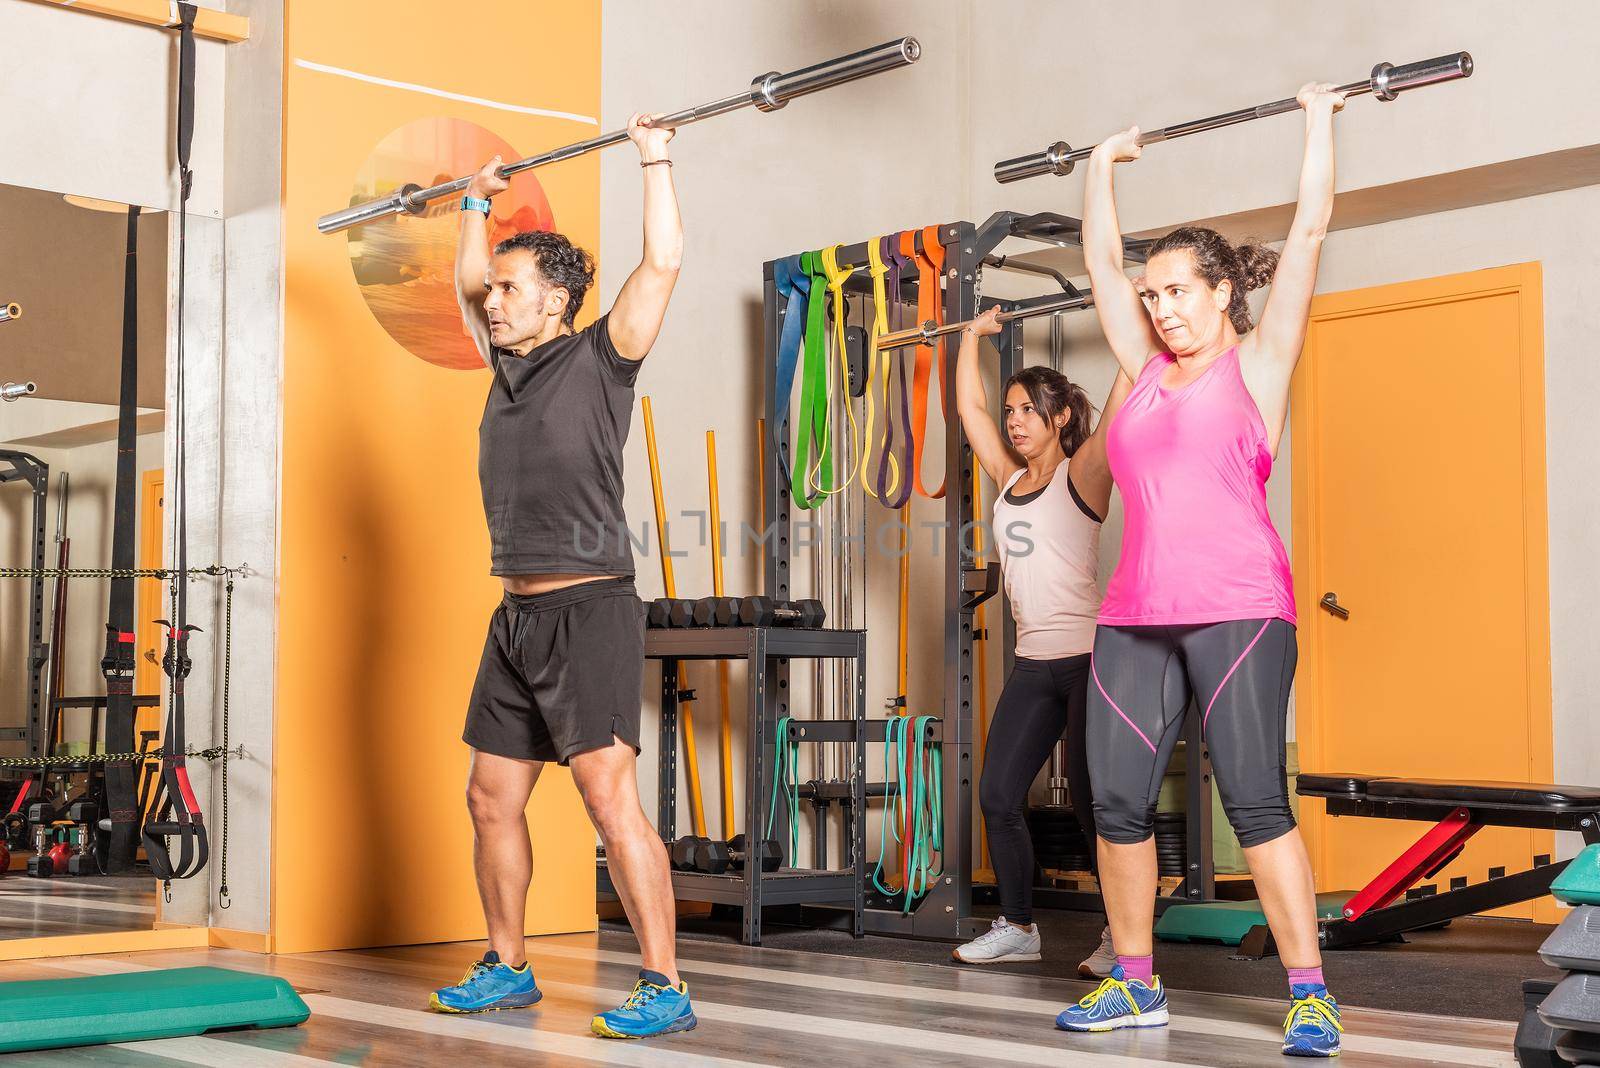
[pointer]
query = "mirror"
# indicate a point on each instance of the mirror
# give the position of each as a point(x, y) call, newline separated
point(62, 261)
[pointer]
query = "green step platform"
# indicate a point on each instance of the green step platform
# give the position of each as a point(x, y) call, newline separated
point(137, 1006)
point(1227, 922)
point(1579, 883)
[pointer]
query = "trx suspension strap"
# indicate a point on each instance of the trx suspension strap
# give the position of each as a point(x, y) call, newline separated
point(890, 250)
point(118, 662)
point(175, 810)
point(887, 481)
point(813, 428)
point(930, 308)
point(833, 280)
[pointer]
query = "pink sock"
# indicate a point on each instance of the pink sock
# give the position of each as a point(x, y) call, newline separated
point(1140, 968)
point(1305, 977)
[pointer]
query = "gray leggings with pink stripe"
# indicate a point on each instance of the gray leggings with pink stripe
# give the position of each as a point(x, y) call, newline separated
point(1142, 680)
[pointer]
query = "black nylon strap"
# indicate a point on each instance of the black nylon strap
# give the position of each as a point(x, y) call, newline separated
point(177, 810)
point(118, 663)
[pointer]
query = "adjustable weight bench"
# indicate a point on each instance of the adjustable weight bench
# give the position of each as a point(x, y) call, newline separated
point(1458, 811)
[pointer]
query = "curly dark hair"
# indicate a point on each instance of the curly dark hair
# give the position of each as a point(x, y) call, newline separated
point(1053, 393)
point(1248, 266)
point(559, 262)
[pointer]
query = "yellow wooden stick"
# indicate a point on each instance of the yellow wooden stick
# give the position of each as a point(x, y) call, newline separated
point(697, 808)
point(728, 830)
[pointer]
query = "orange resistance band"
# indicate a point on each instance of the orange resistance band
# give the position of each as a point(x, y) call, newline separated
point(929, 254)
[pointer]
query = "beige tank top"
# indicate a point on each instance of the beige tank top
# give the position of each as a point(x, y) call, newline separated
point(1049, 552)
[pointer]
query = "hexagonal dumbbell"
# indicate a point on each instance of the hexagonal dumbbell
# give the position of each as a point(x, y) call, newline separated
point(765, 612)
point(680, 612)
point(769, 854)
point(685, 851)
point(712, 857)
point(716, 611)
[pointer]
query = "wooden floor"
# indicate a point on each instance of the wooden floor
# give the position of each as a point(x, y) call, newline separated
point(35, 908)
point(756, 1006)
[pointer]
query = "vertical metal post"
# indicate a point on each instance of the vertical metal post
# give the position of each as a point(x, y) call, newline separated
point(1011, 361)
point(758, 782)
point(38, 652)
point(951, 903)
point(857, 830)
point(667, 754)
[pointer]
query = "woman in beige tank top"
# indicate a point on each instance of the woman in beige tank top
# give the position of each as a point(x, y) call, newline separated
point(1055, 487)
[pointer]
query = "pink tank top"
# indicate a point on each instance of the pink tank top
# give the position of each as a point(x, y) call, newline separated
point(1050, 555)
point(1197, 543)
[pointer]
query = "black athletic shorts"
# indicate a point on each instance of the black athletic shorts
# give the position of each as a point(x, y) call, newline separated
point(560, 673)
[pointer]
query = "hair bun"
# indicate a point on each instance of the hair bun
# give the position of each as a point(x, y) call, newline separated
point(1257, 264)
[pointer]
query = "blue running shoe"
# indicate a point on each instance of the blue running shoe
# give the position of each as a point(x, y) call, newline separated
point(655, 1007)
point(1117, 1002)
point(1312, 1027)
point(488, 984)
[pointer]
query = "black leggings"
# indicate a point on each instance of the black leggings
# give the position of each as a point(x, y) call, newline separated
point(1239, 673)
point(1041, 700)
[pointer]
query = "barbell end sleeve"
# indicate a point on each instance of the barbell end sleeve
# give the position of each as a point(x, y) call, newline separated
point(371, 211)
point(1389, 80)
point(1054, 159)
point(10, 311)
point(11, 391)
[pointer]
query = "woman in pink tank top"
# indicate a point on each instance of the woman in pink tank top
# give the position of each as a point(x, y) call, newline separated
point(1201, 605)
point(1054, 487)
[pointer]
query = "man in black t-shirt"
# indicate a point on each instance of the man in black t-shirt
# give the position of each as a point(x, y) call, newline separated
point(564, 660)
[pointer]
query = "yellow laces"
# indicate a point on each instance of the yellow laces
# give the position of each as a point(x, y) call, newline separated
point(1089, 1000)
point(644, 992)
point(1311, 1009)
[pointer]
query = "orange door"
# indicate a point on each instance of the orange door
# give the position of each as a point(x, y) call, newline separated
point(1419, 501)
point(150, 604)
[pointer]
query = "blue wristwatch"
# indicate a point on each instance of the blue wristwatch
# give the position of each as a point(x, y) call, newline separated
point(470, 203)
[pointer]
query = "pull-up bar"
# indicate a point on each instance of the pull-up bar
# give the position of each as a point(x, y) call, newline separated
point(767, 92)
point(929, 330)
point(10, 311)
point(1386, 82)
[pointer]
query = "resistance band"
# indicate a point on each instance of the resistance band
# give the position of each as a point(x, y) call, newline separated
point(176, 809)
point(813, 429)
point(915, 802)
point(834, 278)
point(889, 249)
point(929, 255)
point(786, 776)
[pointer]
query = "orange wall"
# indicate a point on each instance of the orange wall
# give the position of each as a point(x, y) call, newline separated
point(385, 593)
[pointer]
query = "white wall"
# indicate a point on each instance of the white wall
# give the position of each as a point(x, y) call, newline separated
point(755, 186)
point(91, 108)
point(917, 146)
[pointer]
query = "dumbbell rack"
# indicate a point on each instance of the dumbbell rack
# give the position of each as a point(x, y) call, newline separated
point(768, 651)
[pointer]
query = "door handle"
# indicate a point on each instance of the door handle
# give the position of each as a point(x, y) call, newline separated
point(1330, 601)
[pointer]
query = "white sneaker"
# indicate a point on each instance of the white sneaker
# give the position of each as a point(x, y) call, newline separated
point(1098, 964)
point(1002, 943)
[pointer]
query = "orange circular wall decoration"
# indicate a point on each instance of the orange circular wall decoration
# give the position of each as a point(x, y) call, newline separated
point(405, 264)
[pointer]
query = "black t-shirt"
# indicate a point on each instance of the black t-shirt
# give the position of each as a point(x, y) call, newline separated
point(550, 457)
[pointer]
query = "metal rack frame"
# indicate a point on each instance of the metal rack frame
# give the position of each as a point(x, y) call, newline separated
point(768, 651)
point(25, 467)
point(945, 912)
